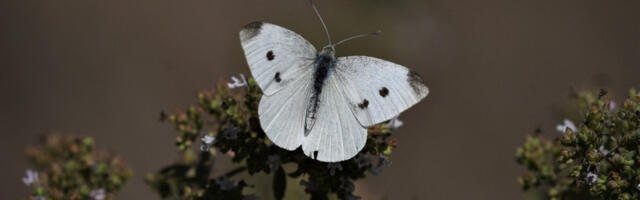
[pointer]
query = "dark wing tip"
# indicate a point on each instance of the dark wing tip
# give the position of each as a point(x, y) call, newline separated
point(416, 82)
point(253, 25)
point(250, 30)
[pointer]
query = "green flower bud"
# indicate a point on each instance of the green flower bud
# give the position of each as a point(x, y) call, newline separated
point(101, 169)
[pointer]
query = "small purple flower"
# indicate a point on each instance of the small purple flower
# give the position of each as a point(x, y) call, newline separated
point(562, 128)
point(237, 82)
point(31, 178)
point(207, 141)
point(612, 105)
point(383, 160)
point(98, 194)
point(591, 178)
point(332, 168)
point(395, 123)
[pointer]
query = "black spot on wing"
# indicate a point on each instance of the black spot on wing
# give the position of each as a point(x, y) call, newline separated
point(384, 92)
point(364, 104)
point(277, 77)
point(416, 82)
point(270, 56)
point(250, 30)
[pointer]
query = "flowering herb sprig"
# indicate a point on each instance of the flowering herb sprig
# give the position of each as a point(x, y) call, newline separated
point(598, 158)
point(226, 122)
point(69, 167)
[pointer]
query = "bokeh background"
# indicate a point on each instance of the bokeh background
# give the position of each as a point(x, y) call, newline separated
point(497, 70)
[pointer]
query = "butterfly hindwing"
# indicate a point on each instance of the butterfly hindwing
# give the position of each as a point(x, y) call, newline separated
point(378, 90)
point(276, 56)
point(282, 114)
point(336, 135)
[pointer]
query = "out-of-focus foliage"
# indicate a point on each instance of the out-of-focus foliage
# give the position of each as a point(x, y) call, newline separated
point(69, 167)
point(599, 160)
point(231, 117)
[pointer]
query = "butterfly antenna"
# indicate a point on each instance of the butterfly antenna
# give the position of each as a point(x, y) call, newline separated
point(377, 32)
point(321, 20)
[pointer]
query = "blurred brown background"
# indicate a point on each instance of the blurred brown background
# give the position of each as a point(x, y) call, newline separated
point(497, 70)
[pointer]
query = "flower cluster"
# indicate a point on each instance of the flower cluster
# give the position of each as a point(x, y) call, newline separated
point(598, 158)
point(226, 123)
point(68, 167)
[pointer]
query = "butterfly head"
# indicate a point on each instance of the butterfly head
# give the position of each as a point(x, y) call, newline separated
point(328, 50)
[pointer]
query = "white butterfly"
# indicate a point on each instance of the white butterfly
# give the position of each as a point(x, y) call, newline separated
point(320, 102)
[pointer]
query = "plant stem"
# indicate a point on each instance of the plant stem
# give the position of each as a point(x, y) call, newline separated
point(234, 172)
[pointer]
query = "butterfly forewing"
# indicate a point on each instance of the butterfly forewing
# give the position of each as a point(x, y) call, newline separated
point(377, 90)
point(276, 56)
point(281, 63)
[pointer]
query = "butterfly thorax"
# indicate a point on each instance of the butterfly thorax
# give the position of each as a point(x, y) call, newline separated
point(323, 64)
point(322, 68)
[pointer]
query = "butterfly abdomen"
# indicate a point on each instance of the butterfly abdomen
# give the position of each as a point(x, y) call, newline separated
point(323, 65)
